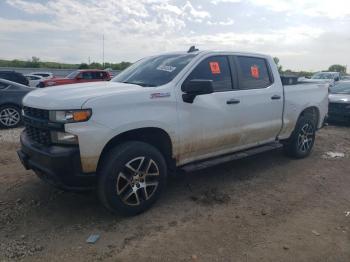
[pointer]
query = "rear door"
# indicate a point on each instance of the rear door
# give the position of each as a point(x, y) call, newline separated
point(261, 100)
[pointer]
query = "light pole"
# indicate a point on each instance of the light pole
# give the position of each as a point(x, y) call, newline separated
point(103, 51)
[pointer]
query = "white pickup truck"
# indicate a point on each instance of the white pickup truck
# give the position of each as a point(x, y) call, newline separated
point(178, 110)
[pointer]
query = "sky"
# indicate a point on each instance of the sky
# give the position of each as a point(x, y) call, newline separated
point(305, 35)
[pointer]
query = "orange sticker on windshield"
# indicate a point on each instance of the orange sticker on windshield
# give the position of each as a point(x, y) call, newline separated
point(215, 68)
point(255, 71)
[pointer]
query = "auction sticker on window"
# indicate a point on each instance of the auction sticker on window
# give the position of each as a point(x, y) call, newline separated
point(255, 71)
point(166, 68)
point(215, 68)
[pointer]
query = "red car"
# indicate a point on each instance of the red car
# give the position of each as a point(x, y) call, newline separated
point(79, 76)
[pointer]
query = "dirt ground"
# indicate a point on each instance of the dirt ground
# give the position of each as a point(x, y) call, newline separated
point(264, 208)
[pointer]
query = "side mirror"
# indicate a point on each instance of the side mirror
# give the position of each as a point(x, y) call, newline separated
point(336, 78)
point(195, 88)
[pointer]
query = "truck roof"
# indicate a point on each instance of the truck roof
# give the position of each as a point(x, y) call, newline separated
point(218, 52)
point(91, 70)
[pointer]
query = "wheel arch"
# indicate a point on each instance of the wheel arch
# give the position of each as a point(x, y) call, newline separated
point(154, 136)
point(313, 113)
point(10, 104)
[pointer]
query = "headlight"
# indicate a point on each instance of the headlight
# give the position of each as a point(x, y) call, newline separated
point(70, 116)
point(63, 138)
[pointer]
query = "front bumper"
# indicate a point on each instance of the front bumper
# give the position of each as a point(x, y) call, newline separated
point(58, 165)
point(339, 117)
point(339, 112)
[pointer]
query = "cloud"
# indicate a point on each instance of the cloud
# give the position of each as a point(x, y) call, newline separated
point(314, 8)
point(71, 30)
point(195, 13)
point(139, 16)
point(226, 22)
point(18, 25)
point(29, 7)
point(216, 2)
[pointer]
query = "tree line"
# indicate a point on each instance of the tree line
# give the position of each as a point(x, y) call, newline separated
point(35, 62)
point(333, 68)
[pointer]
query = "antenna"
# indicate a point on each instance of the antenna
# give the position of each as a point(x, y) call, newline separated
point(192, 49)
point(103, 51)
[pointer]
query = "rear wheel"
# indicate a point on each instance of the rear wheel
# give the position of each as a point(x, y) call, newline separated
point(301, 142)
point(10, 116)
point(131, 178)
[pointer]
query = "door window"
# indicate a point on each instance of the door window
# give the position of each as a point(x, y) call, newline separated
point(87, 75)
point(215, 68)
point(253, 73)
point(98, 75)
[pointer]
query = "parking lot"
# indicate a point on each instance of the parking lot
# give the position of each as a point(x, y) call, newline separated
point(266, 208)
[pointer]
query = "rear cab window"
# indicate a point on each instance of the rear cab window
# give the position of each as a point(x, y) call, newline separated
point(253, 72)
point(215, 68)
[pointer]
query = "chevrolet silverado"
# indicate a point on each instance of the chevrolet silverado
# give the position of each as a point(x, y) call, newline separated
point(183, 110)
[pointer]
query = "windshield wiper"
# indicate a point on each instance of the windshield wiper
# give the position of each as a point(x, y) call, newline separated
point(139, 83)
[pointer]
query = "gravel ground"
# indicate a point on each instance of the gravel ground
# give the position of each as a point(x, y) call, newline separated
point(263, 208)
point(10, 135)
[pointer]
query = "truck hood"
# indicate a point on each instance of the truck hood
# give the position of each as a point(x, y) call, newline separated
point(73, 96)
point(339, 98)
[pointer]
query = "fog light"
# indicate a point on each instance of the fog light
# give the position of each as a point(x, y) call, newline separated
point(63, 138)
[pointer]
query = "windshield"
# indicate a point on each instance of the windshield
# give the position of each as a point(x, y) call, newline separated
point(341, 88)
point(323, 76)
point(72, 75)
point(154, 71)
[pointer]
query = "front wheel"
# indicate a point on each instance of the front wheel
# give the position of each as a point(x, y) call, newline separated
point(301, 142)
point(131, 178)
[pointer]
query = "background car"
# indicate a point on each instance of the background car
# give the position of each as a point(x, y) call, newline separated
point(79, 76)
point(329, 77)
point(45, 75)
point(11, 95)
point(333, 76)
point(14, 77)
point(339, 102)
point(34, 80)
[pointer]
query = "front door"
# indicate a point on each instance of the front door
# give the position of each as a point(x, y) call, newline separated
point(209, 126)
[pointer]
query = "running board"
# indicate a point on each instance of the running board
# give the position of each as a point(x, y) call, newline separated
point(227, 158)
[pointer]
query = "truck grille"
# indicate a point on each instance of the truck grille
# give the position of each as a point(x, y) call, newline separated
point(35, 122)
point(36, 113)
point(40, 136)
